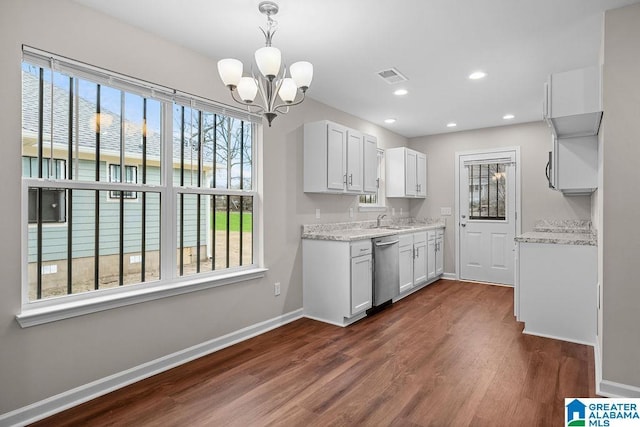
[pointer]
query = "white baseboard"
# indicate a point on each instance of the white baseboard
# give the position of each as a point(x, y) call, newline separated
point(525, 331)
point(608, 388)
point(449, 276)
point(612, 389)
point(68, 399)
point(597, 362)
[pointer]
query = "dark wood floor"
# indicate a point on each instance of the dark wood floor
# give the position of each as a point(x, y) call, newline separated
point(451, 354)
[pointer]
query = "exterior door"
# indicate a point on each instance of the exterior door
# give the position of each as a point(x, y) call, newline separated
point(487, 191)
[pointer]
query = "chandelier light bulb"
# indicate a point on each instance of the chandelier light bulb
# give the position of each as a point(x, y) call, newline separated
point(288, 90)
point(302, 74)
point(247, 89)
point(268, 60)
point(230, 71)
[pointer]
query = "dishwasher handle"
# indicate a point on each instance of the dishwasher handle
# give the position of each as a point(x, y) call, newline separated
point(393, 242)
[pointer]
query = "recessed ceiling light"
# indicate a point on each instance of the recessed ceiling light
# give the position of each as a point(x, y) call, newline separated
point(508, 116)
point(451, 125)
point(477, 75)
point(389, 121)
point(401, 92)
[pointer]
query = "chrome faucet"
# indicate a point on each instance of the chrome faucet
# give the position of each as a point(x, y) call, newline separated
point(379, 219)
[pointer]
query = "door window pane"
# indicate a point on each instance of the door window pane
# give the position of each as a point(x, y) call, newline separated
point(487, 191)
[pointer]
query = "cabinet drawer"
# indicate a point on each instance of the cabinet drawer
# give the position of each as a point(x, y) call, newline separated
point(420, 237)
point(405, 240)
point(361, 247)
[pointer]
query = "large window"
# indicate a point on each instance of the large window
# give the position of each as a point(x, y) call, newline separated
point(145, 186)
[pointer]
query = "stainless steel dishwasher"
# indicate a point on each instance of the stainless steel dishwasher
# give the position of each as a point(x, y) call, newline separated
point(386, 280)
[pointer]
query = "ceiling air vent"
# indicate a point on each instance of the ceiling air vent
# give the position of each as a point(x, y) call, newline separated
point(392, 76)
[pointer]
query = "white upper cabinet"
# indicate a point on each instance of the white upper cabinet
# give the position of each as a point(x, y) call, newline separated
point(573, 165)
point(421, 175)
point(406, 173)
point(335, 159)
point(370, 184)
point(355, 160)
point(573, 102)
point(336, 155)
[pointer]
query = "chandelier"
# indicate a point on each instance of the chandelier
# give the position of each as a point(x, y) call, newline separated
point(271, 82)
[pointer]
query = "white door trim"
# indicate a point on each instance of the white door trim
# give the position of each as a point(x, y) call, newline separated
point(490, 152)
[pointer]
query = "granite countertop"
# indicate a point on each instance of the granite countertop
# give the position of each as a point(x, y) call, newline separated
point(561, 232)
point(361, 230)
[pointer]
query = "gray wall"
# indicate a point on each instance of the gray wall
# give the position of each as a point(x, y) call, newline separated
point(45, 360)
point(621, 234)
point(538, 201)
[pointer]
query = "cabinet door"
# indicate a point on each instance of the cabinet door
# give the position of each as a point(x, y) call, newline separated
point(355, 157)
point(336, 157)
point(439, 254)
point(361, 283)
point(431, 255)
point(370, 184)
point(405, 265)
point(420, 263)
point(411, 185)
point(421, 175)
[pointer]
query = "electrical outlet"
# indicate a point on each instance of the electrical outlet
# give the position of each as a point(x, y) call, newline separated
point(276, 289)
point(317, 213)
point(445, 211)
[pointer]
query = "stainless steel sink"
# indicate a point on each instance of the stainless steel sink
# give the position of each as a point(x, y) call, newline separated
point(394, 227)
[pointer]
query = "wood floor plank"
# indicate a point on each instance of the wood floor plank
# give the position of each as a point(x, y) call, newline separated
point(450, 354)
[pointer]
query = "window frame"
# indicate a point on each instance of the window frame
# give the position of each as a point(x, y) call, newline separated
point(170, 283)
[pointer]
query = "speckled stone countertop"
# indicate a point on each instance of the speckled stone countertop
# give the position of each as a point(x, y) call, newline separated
point(561, 232)
point(360, 230)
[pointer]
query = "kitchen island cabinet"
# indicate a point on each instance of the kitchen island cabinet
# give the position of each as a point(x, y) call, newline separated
point(556, 287)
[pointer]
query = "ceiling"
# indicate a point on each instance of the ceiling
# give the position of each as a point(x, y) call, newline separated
point(436, 44)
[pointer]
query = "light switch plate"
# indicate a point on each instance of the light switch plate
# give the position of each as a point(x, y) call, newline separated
point(445, 211)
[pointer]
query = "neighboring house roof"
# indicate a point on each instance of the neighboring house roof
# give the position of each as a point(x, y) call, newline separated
point(109, 138)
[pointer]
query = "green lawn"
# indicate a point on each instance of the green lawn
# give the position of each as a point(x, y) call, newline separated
point(234, 218)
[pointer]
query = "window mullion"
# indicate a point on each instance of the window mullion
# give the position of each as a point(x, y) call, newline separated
point(168, 197)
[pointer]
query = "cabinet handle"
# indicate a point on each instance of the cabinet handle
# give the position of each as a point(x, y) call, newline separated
point(350, 179)
point(344, 179)
point(377, 182)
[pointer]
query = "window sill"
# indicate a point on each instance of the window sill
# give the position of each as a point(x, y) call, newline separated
point(38, 316)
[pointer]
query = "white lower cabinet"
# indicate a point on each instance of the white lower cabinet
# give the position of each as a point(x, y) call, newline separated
point(412, 260)
point(361, 281)
point(337, 280)
point(558, 291)
point(419, 258)
point(431, 255)
point(439, 252)
point(435, 260)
